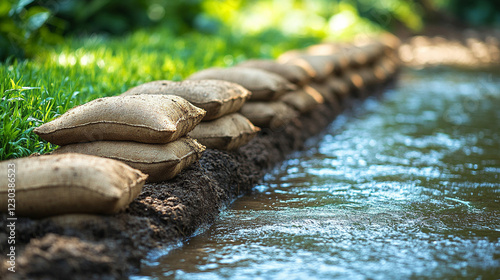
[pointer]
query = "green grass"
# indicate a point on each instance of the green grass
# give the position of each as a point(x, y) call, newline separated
point(82, 69)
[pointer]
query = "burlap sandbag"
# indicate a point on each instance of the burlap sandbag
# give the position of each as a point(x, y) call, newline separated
point(354, 80)
point(269, 114)
point(319, 67)
point(332, 51)
point(288, 55)
point(160, 161)
point(389, 64)
point(264, 85)
point(227, 133)
point(216, 97)
point(140, 118)
point(328, 95)
point(325, 48)
point(380, 73)
point(384, 69)
point(368, 76)
point(357, 57)
point(292, 73)
point(340, 62)
point(373, 50)
point(390, 41)
point(303, 100)
point(339, 87)
point(71, 183)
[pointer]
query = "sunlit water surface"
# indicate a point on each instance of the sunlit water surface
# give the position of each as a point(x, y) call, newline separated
point(407, 186)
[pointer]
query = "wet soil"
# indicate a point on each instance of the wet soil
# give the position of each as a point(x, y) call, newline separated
point(111, 247)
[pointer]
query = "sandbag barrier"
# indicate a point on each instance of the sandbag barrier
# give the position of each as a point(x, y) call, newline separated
point(311, 85)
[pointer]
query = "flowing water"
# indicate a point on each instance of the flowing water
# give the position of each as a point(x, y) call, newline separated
point(406, 186)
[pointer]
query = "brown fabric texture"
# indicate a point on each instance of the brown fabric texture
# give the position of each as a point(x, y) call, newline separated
point(269, 114)
point(292, 73)
point(160, 161)
point(227, 133)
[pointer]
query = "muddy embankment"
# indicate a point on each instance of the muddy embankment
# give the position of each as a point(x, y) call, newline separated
point(112, 247)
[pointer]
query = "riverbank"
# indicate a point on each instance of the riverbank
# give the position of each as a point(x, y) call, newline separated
point(86, 247)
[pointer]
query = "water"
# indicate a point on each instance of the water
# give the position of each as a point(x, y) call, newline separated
point(404, 187)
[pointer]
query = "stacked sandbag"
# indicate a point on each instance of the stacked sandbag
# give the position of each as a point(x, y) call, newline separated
point(148, 132)
point(303, 100)
point(335, 73)
point(323, 62)
point(216, 97)
point(264, 85)
point(361, 65)
point(293, 73)
point(267, 93)
point(272, 114)
point(221, 128)
point(225, 133)
point(309, 92)
point(269, 81)
point(71, 183)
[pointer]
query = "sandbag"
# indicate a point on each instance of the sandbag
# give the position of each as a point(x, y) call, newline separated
point(368, 76)
point(373, 50)
point(303, 100)
point(357, 57)
point(389, 64)
point(319, 67)
point(160, 161)
point(325, 48)
point(226, 133)
point(71, 183)
point(269, 114)
point(292, 73)
point(380, 73)
point(77, 221)
point(140, 118)
point(264, 85)
point(216, 97)
point(390, 41)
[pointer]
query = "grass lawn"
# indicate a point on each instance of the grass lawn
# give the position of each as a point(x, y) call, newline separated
point(39, 89)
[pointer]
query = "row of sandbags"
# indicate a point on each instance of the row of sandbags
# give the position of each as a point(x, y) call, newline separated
point(156, 128)
point(147, 132)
